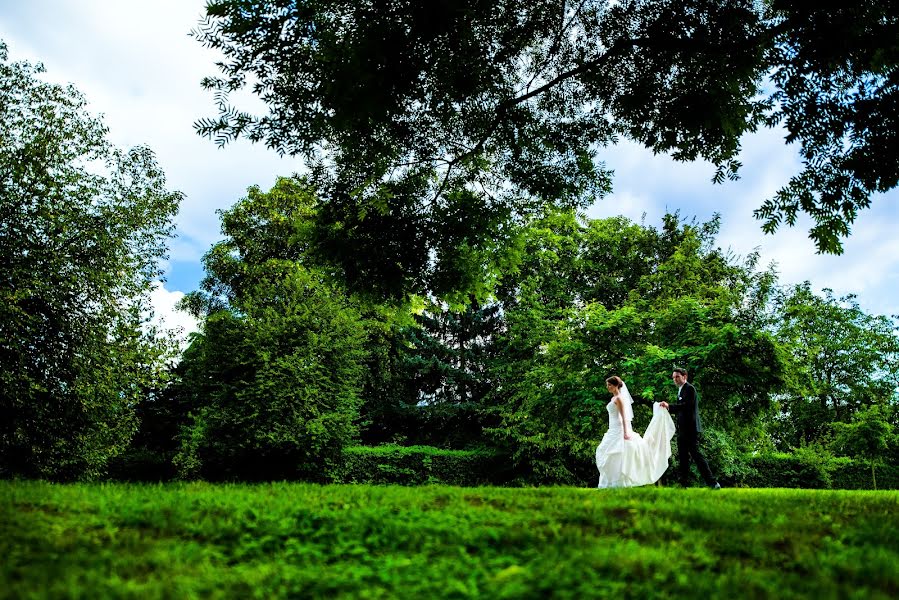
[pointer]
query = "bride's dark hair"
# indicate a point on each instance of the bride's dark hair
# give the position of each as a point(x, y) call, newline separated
point(616, 381)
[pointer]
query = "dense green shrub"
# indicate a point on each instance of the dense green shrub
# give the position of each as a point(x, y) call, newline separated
point(786, 471)
point(273, 382)
point(728, 464)
point(849, 474)
point(802, 470)
point(138, 463)
point(413, 465)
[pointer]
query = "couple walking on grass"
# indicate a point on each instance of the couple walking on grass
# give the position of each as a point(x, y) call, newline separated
point(627, 459)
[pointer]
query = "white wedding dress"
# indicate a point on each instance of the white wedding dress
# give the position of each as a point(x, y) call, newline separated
point(640, 460)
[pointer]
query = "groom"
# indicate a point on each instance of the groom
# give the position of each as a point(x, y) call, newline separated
point(688, 429)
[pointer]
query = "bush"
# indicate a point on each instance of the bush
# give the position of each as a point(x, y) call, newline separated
point(728, 464)
point(141, 464)
point(416, 465)
point(786, 471)
point(274, 382)
point(807, 469)
point(849, 474)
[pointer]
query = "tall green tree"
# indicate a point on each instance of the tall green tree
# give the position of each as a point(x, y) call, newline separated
point(448, 357)
point(273, 379)
point(668, 298)
point(842, 360)
point(389, 412)
point(83, 227)
point(437, 124)
point(272, 382)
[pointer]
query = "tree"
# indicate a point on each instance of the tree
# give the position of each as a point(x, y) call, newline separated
point(653, 300)
point(83, 227)
point(272, 382)
point(840, 361)
point(438, 124)
point(273, 379)
point(869, 436)
point(447, 357)
point(389, 411)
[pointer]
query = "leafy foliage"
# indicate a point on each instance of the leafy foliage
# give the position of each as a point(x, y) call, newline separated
point(273, 380)
point(842, 360)
point(431, 129)
point(414, 465)
point(83, 227)
point(870, 435)
point(836, 73)
point(575, 316)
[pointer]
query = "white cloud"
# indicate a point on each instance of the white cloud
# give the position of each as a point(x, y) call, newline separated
point(166, 317)
point(629, 204)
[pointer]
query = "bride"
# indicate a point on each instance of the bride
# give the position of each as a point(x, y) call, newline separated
point(623, 457)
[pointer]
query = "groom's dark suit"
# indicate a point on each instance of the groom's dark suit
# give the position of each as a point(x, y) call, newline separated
point(688, 429)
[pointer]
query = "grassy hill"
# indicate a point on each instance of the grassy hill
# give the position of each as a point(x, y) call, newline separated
point(297, 540)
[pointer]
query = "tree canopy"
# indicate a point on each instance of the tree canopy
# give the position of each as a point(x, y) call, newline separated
point(843, 361)
point(273, 379)
point(83, 227)
point(437, 123)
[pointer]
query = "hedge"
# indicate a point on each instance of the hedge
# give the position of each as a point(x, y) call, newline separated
point(850, 474)
point(785, 471)
point(415, 465)
point(142, 465)
point(794, 471)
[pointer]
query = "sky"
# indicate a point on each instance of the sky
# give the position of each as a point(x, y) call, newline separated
point(137, 66)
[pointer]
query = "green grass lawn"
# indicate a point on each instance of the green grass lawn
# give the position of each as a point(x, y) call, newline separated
point(297, 540)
